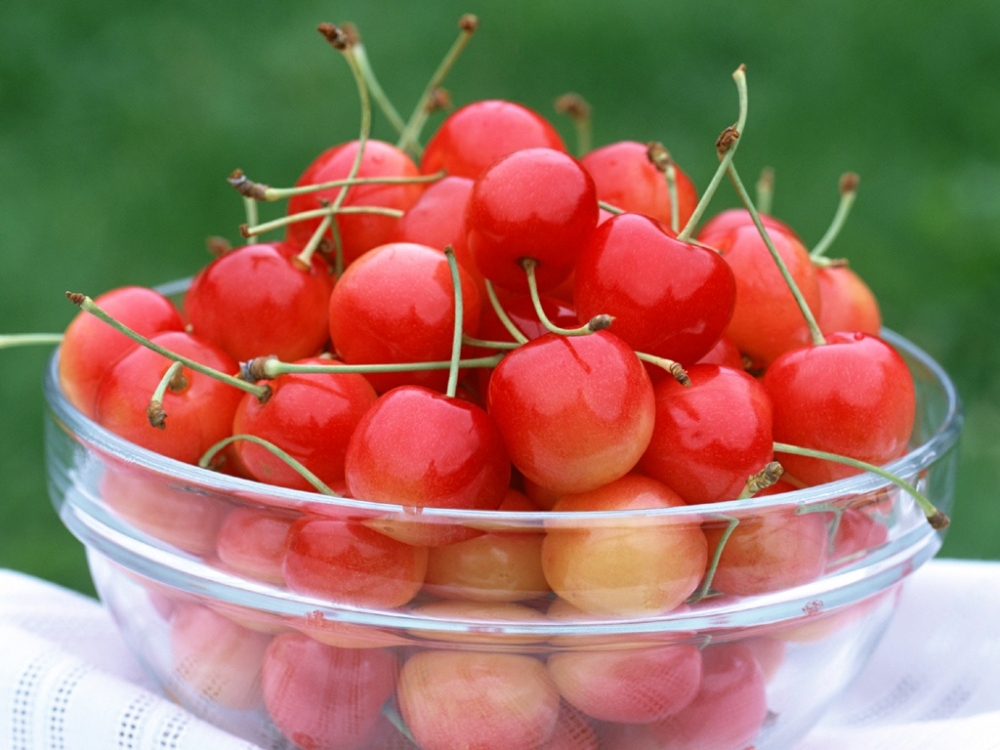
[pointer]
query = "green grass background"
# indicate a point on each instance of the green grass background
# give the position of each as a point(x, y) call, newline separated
point(119, 122)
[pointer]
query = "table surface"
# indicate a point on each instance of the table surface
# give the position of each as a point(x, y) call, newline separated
point(67, 681)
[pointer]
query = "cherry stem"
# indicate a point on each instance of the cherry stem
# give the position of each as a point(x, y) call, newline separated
point(260, 192)
point(727, 144)
point(347, 50)
point(316, 213)
point(937, 519)
point(374, 87)
point(409, 139)
point(316, 238)
point(174, 379)
point(677, 372)
point(86, 304)
point(206, 460)
point(596, 323)
point(814, 332)
point(512, 329)
point(268, 368)
point(610, 208)
point(10, 340)
point(706, 586)
point(456, 339)
point(848, 192)
point(660, 158)
point(761, 480)
point(765, 190)
point(250, 207)
point(577, 109)
point(505, 345)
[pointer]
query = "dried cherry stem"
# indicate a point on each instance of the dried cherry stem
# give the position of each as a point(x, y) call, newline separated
point(660, 158)
point(848, 192)
point(205, 461)
point(456, 338)
point(610, 208)
point(676, 370)
point(761, 480)
point(342, 43)
point(316, 213)
point(706, 585)
point(726, 146)
point(85, 303)
point(409, 140)
point(512, 329)
point(595, 324)
point(10, 340)
point(814, 332)
point(936, 518)
point(374, 87)
point(577, 109)
point(765, 190)
point(173, 379)
point(261, 192)
point(268, 368)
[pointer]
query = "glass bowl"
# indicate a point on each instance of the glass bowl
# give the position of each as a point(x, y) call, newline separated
point(293, 618)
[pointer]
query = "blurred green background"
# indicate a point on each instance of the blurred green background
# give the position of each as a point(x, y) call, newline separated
point(119, 122)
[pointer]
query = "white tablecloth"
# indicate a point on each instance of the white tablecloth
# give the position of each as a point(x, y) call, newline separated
point(67, 681)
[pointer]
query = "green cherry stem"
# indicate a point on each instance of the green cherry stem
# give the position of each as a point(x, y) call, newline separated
point(765, 190)
point(814, 332)
point(503, 345)
point(610, 208)
point(512, 329)
point(268, 368)
point(660, 158)
point(174, 379)
point(676, 370)
point(597, 323)
point(848, 192)
point(727, 144)
point(261, 192)
point(706, 585)
point(456, 339)
point(206, 460)
point(409, 140)
point(316, 213)
point(936, 518)
point(374, 87)
point(10, 340)
point(86, 304)
point(577, 109)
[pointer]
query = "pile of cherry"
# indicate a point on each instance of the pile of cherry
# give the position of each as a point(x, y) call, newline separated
point(596, 353)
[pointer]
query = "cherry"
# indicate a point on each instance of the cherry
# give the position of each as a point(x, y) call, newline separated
point(396, 304)
point(725, 354)
point(668, 297)
point(90, 347)
point(537, 204)
point(326, 698)
point(476, 135)
point(708, 438)
point(575, 412)
point(309, 416)
point(487, 701)
point(199, 408)
point(423, 449)
point(256, 300)
point(626, 179)
point(726, 221)
point(252, 542)
point(573, 732)
point(358, 232)
point(853, 396)
point(847, 303)
point(347, 562)
point(635, 566)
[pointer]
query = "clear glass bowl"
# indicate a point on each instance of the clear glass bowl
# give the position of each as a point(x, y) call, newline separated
point(360, 640)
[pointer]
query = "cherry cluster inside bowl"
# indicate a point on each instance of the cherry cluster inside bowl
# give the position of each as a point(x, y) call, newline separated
point(510, 444)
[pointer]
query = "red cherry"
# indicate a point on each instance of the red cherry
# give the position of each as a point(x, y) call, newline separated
point(396, 304)
point(358, 232)
point(668, 297)
point(626, 179)
point(575, 412)
point(709, 437)
point(309, 416)
point(846, 302)
point(725, 354)
point(734, 218)
point(476, 135)
point(90, 346)
point(536, 203)
point(255, 301)
point(252, 543)
point(853, 396)
point(199, 413)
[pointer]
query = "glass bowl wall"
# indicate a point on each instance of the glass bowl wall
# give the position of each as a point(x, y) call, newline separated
point(192, 566)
